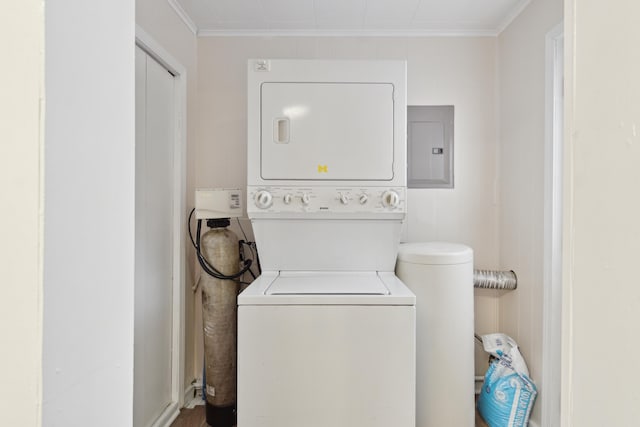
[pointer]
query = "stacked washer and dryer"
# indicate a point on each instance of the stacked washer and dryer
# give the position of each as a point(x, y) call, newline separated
point(327, 333)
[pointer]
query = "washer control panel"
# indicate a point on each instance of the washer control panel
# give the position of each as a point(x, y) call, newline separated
point(277, 199)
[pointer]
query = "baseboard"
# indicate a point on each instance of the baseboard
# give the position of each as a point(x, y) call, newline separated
point(478, 384)
point(168, 416)
point(189, 394)
point(193, 396)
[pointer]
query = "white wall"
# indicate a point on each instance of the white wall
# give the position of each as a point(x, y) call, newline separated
point(21, 127)
point(602, 296)
point(89, 215)
point(521, 75)
point(441, 71)
point(160, 21)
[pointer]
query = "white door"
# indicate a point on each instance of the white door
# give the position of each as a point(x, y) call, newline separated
point(552, 303)
point(155, 119)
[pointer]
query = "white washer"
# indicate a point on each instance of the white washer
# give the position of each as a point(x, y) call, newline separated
point(326, 349)
point(326, 335)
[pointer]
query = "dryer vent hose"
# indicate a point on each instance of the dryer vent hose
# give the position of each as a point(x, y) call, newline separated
point(493, 279)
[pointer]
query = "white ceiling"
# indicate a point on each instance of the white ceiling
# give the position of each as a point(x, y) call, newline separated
point(357, 17)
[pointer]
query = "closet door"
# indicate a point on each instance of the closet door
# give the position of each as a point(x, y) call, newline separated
point(155, 118)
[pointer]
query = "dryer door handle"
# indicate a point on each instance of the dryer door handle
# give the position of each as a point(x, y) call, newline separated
point(281, 130)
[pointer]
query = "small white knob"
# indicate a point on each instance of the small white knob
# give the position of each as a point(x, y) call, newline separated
point(363, 199)
point(390, 199)
point(263, 199)
point(305, 199)
point(287, 199)
point(344, 199)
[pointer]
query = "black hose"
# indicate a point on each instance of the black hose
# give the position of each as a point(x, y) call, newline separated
point(210, 269)
point(242, 244)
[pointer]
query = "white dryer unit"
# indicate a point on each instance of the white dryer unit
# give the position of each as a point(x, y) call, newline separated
point(326, 335)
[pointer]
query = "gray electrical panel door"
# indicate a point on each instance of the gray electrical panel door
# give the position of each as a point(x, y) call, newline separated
point(430, 146)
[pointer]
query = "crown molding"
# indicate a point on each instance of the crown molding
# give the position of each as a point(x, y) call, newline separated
point(182, 14)
point(508, 19)
point(348, 33)
point(512, 15)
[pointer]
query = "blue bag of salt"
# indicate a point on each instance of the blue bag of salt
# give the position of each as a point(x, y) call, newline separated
point(508, 394)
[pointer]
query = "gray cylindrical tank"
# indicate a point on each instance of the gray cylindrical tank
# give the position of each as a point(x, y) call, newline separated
point(219, 315)
point(441, 276)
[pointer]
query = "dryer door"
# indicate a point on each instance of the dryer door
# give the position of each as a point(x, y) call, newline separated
point(327, 131)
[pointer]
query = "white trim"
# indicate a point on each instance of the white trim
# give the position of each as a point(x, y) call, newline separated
point(478, 382)
point(512, 15)
point(348, 33)
point(552, 261)
point(168, 416)
point(447, 32)
point(193, 396)
point(189, 393)
point(182, 14)
point(568, 262)
point(156, 51)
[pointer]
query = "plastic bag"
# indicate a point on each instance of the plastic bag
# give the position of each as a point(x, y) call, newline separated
point(507, 394)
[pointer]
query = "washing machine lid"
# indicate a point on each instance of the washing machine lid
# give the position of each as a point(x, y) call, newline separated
point(327, 288)
point(327, 283)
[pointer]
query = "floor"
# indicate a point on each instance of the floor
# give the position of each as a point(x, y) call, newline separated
point(191, 418)
point(196, 418)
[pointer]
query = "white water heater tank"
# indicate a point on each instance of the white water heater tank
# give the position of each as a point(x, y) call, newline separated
point(441, 276)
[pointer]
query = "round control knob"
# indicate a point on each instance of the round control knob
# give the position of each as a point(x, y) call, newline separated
point(305, 199)
point(287, 199)
point(344, 199)
point(363, 199)
point(263, 199)
point(390, 199)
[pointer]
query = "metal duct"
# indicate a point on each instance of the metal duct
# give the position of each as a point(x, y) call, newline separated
point(493, 279)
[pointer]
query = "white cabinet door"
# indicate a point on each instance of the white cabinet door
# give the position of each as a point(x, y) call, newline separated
point(154, 251)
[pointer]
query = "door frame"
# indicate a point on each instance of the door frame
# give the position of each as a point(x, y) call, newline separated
point(148, 44)
point(553, 211)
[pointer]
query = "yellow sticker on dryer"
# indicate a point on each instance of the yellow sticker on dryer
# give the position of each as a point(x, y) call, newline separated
point(323, 169)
